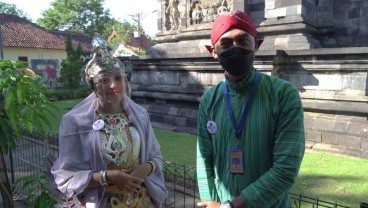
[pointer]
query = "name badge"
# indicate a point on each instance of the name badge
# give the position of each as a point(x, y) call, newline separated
point(236, 160)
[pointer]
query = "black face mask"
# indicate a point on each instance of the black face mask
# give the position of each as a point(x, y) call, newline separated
point(236, 61)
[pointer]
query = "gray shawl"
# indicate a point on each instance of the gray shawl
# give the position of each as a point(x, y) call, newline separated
point(80, 151)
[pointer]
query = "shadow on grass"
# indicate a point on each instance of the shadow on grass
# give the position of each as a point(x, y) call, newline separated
point(345, 190)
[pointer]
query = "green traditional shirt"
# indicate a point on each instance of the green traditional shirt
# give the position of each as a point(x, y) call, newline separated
point(272, 142)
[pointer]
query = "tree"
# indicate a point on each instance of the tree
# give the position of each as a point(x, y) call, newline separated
point(81, 16)
point(22, 106)
point(72, 65)
point(12, 9)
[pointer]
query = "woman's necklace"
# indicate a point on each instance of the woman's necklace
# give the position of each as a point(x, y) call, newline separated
point(116, 140)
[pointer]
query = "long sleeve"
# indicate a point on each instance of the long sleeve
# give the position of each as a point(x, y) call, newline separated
point(288, 151)
point(79, 153)
point(205, 171)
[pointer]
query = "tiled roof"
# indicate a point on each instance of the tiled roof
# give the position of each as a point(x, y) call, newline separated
point(18, 32)
point(141, 42)
point(85, 41)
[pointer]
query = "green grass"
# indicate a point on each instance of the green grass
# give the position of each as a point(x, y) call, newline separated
point(63, 107)
point(333, 178)
point(179, 148)
point(329, 177)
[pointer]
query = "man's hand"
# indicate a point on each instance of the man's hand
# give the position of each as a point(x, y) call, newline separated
point(208, 204)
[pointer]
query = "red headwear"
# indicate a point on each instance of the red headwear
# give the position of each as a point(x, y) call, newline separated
point(227, 21)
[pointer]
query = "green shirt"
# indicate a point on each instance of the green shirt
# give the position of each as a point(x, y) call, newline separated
point(272, 142)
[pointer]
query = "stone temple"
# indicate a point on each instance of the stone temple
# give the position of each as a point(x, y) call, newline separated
point(321, 46)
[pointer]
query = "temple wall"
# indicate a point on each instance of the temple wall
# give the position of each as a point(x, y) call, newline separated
point(318, 45)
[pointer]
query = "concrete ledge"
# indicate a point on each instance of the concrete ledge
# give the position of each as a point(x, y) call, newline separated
point(320, 147)
point(166, 96)
point(342, 107)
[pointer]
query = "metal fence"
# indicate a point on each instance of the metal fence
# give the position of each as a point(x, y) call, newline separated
point(29, 160)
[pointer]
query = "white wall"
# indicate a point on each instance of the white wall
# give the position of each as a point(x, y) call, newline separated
point(46, 66)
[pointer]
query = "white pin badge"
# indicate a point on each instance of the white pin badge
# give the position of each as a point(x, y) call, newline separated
point(98, 125)
point(211, 127)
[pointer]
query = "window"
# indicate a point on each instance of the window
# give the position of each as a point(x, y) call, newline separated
point(23, 59)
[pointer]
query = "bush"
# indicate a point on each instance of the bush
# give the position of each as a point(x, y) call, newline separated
point(66, 94)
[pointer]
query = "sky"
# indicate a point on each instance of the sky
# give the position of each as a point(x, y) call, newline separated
point(119, 9)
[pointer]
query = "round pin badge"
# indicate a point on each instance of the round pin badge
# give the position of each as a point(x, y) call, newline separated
point(98, 125)
point(211, 127)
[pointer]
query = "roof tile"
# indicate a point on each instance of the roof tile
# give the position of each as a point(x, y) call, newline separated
point(19, 32)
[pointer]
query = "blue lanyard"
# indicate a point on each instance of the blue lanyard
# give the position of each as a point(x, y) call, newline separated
point(239, 130)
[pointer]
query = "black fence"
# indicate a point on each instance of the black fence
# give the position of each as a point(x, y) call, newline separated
point(29, 159)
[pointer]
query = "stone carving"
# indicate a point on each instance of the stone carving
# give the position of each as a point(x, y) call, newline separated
point(203, 11)
point(194, 12)
point(223, 7)
point(173, 10)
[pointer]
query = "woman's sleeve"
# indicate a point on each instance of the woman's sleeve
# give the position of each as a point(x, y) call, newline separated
point(72, 170)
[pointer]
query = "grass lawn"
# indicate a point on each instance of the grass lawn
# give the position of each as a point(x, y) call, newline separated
point(329, 177)
point(63, 107)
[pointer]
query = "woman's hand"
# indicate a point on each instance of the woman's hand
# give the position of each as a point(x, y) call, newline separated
point(141, 171)
point(123, 180)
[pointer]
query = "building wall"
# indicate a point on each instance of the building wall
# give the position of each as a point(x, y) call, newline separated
point(44, 62)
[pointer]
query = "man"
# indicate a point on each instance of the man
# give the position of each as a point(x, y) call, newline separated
point(250, 128)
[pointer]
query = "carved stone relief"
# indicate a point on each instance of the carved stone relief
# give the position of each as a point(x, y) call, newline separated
point(193, 12)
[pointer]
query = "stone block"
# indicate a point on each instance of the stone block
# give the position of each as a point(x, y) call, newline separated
point(140, 77)
point(354, 13)
point(365, 154)
point(283, 3)
point(309, 144)
point(211, 79)
point(274, 13)
point(329, 148)
point(308, 123)
point(188, 112)
point(257, 7)
point(329, 81)
point(364, 144)
point(269, 5)
point(340, 126)
point(323, 124)
point(257, 15)
point(256, 1)
point(188, 78)
point(350, 141)
point(164, 77)
point(345, 41)
point(330, 138)
point(353, 152)
point(314, 136)
point(358, 128)
point(294, 10)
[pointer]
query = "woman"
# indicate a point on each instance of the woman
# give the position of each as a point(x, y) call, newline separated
point(108, 153)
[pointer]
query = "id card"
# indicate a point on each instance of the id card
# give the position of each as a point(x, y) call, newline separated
point(236, 160)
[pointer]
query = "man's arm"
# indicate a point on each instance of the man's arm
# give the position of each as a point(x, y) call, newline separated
point(288, 152)
point(205, 176)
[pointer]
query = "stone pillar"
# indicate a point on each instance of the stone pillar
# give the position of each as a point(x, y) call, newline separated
point(286, 25)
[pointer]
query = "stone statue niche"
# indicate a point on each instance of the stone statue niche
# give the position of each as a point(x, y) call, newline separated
point(195, 12)
point(205, 11)
point(172, 14)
